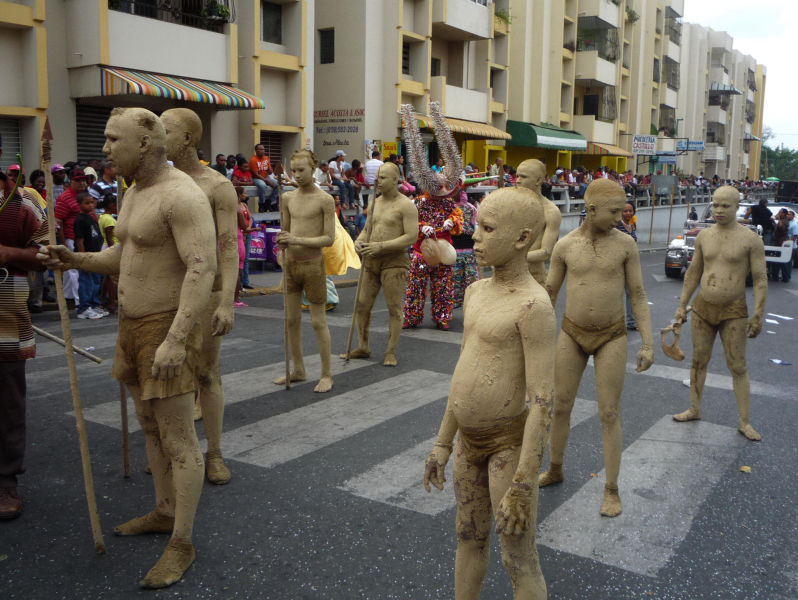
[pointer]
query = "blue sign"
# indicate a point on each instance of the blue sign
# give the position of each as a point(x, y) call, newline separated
point(667, 158)
point(690, 145)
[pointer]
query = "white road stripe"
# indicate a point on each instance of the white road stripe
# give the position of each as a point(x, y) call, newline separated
point(290, 435)
point(397, 480)
point(238, 387)
point(666, 475)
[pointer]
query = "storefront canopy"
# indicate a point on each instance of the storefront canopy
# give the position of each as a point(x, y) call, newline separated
point(115, 82)
point(470, 129)
point(604, 149)
point(545, 136)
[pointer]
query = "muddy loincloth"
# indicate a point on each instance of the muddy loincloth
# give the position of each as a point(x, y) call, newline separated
point(715, 314)
point(394, 260)
point(590, 339)
point(136, 344)
point(479, 443)
point(308, 275)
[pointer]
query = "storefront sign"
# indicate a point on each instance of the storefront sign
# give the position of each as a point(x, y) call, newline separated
point(338, 129)
point(645, 145)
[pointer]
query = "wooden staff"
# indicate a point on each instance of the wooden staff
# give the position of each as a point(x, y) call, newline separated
point(88, 479)
point(369, 225)
point(58, 340)
point(120, 192)
point(670, 216)
point(651, 224)
point(278, 170)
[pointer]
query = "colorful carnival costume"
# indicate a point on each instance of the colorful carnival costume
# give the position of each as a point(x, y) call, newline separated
point(465, 271)
point(438, 216)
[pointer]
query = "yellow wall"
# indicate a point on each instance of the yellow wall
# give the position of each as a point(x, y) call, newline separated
point(551, 158)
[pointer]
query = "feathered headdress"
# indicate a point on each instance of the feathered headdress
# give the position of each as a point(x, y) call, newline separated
point(435, 184)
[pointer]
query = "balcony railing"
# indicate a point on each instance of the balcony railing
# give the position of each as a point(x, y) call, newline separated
point(751, 81)
point(674, 28)
point(603, 41)
point(211, 15)
point(670, 72)
point(721, 100)
point(750, 112)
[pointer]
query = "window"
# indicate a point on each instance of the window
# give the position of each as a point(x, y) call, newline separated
point(435, 67)
point(405, 59)
point(273, 142)
point(271, 18)
point(326, 46)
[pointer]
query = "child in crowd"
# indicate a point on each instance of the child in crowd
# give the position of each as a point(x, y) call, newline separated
point(88, 238)
point(107, 222)
point(244, 230)
point(241, 174)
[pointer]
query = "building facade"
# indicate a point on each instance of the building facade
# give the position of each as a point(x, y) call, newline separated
point(372, 57)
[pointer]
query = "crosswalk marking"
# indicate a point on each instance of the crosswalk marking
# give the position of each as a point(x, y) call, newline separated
point(290, 435)
point(397, 481)
point(238, 387)
point(666, 475)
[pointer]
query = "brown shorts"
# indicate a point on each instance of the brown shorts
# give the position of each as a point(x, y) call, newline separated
point(479, 443)
point(590, 339)
point(715, 314)
point(136, 344)
point(308, 275)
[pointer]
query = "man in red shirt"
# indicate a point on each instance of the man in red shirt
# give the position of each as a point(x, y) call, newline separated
point(264, 180)
point(66, 209)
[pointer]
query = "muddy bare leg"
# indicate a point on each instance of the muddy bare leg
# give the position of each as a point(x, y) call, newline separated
point(610, 361)
point(319, 321)
point(212, 401)
point(570, 363)
point(294, 324)
point(393, 281)
point(703, 340)
point(733, 336)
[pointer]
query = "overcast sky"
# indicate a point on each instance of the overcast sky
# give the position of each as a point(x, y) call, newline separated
point(768, 31)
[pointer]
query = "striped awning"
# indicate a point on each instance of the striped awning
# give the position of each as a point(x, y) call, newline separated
point(604, 149)
point(116, 82)
point(470, 129)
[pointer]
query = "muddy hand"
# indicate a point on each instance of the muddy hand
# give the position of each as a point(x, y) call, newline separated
point(754, 326)
point(435, 467)
point(55, 257)
point(645, 358)
point(169, 359)
point(512, 517)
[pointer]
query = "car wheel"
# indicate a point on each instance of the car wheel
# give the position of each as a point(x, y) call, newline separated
point(673, 273)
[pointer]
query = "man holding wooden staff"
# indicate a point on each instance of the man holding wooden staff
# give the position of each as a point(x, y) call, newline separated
point(166, 262)
point(23, 226)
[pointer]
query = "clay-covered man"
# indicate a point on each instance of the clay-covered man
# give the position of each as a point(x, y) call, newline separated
point(724, 254)
point(183, 133)
point(499, 401)
point(394, 227)
point(166, 262)
point(531, 174)
point(309, 226)
point(598, 260)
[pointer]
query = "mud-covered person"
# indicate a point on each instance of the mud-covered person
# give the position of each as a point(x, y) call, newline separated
point(309, 226)
point(597, 262)
point(499, 401)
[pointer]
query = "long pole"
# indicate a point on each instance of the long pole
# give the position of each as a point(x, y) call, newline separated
point(369, 225)
point(120, 192)
point(66, 331)
point(670, 215)
point(651, 223)
point(58, 340)
point(278, 170)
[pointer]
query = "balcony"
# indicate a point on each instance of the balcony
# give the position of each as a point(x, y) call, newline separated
point(673, 52)
point(670, 97)
point(608, 12)
point(211, 15)
point(716, 114)
point(590, 67)
point(145, 44)
point(461, 20)
point(460, 103)
point(595, 130)
point(714, 153)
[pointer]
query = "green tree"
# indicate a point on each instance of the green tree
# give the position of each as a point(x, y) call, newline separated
point(778, 162)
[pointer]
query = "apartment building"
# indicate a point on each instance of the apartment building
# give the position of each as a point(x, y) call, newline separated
point(77, 59)
point(721, 106)
point(373, 56)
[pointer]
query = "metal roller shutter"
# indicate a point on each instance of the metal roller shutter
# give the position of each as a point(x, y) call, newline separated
point(90, 124)
point(9, 130)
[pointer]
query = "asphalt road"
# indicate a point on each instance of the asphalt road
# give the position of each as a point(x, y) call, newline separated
point(326, 500)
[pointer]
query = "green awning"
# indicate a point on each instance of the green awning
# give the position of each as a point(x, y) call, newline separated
point(545, 136)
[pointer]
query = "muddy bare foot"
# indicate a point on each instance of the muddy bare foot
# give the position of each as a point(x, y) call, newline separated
point(357, 353)
point(325, 384)
point(294, 377)
point(749, 432)
point(553, 475)
point(215, 469)
point(390, 360)
point(611, 507)
point(152, 522)
point(688, 415)
point(169, 569)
